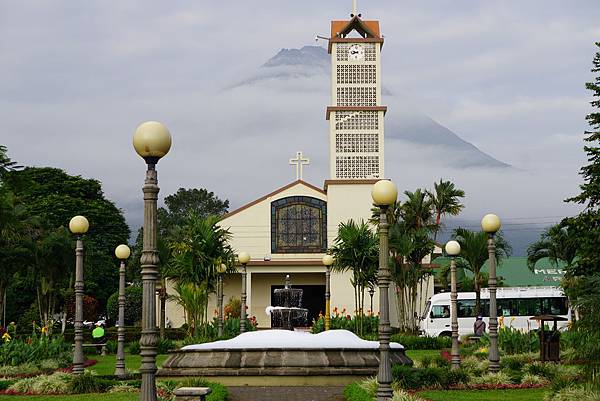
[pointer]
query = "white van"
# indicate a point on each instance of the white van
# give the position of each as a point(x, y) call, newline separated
point(516, 305)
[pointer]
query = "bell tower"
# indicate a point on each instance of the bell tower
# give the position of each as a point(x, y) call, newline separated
point(356, 115)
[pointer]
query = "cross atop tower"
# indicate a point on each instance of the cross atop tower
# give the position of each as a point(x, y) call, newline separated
point(299, 162)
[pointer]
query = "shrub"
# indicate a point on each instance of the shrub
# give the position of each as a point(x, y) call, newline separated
point(57, 383)
point(5, 384)
point(401, 395)
point(514, 341)
point(407, 377)
point(32, 349)
point(492, 378)
point(554, 372)
point(516, 362)
point(48, 365)
point(340, 320)
point(111, 346)
point(123, 388)
point(133, 305)
point(415, 342)
point(355, 392)
point(370, 385)
point(528, 378)
point(573, 393)
point(164, 346)
point(88, 383)
point(23, 369)
point(134, 348)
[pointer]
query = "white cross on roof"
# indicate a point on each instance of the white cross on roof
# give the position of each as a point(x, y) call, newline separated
point(299, 162)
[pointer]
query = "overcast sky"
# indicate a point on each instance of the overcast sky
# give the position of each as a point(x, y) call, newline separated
point(77, 77)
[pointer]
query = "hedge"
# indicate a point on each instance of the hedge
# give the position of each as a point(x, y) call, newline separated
point(414, 342)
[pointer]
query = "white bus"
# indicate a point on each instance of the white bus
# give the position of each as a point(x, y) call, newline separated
point(515, 304)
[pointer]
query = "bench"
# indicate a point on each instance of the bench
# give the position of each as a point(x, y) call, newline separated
point(191, 393)
point(103, 345)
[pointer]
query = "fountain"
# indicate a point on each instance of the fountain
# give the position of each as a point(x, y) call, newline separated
point(288, 312)
point(285, 356)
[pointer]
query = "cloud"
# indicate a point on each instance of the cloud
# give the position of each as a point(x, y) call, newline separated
point(78, 77)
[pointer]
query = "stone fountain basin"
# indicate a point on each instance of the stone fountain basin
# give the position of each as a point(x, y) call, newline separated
point(282, 353)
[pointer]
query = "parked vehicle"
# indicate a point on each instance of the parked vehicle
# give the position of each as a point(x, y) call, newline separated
point(515, 304)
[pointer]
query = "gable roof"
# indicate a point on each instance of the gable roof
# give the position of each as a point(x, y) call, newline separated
point(367, 29)
point(277, 191)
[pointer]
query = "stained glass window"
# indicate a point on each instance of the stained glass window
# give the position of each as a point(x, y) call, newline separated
point(298, 225)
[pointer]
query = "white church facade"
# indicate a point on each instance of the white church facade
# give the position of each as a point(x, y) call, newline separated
point(289, 230)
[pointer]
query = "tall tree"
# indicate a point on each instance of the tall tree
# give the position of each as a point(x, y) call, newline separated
point(582, 278)
point(55, 197)
point(6, 164)
point(556, 243)
point(474, 254)
point(181, 204)
point(445, 199)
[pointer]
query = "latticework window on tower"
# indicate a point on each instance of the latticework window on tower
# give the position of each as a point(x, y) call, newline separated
point(356, 143)
point(357, 167)
point(356, 74)
point(357, 96)
point(360, 120)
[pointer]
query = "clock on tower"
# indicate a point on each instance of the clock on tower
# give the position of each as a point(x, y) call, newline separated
point(356, 114)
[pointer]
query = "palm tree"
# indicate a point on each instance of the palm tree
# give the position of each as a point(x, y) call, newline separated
point(408, 247)
point(356, 248)
point(445, 199)
point(556, 243)
point(417, 211)
point(197, 247)
point(474, 254)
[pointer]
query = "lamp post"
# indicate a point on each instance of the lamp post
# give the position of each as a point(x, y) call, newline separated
point(151, 141)
point(161, 289)
point(327, 261)
point(384, 194)
point(453, 250)
point(221, 268)
point(244, 258)
point(122, 252)
point(491, 224)
point(78, 225)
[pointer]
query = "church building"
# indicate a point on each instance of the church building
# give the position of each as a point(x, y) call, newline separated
point(289, 230)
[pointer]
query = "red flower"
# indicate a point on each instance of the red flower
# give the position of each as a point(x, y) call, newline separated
point(348, 317)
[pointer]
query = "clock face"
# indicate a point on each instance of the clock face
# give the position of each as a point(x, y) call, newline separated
point(356, 53)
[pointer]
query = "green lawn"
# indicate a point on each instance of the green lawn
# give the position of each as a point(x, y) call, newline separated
point(417, 354)
point(485, 395)
point(106, 364)
point(75, 397)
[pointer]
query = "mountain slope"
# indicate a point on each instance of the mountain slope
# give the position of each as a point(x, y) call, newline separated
point(309, 68)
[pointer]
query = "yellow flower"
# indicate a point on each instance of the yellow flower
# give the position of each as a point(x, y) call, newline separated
point(45, 329)
point(6, 337)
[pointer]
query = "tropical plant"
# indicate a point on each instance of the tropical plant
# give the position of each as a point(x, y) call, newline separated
point(356, 249)
point(445, 199)
point(556, 243)
point(474, 254)
point(409, 244)
point(197, 248)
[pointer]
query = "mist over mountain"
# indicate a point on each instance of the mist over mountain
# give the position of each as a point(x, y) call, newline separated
point(402, 123)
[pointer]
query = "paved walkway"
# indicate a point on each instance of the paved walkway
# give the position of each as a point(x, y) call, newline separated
point(321, 393)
